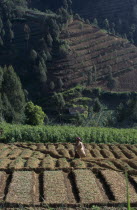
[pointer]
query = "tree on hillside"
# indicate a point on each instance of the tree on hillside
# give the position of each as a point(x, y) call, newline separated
point(64, 15)
point(87, 21)
point(49, 40)
point(44, 56)
point(69, 6)
point(59, 101)
point(97, 105)
point(8, 24)
point(113, 31)
point(95, 22)
point(54, 29)
point(16, 95)
point(65, 4)
point(42, 73)
point(60, 83)
point(106, 24)
point(132, 28)
point(63, 50)
point(81, 26)
point(90, 78)
point(112, 82)
point(77, 17)
point(34, 114)
point(109, 68)
point(11, 35)
point(33, 55)
point(52, 85)
point(42, 61)
point(8, 112)
point(1, 78)
point(1, 41)
point(94, 73)
point(3, 33)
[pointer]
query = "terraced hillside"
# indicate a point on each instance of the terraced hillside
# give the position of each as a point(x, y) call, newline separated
point(95, 54)
point(44, 175)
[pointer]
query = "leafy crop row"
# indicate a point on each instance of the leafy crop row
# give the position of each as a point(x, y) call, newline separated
point(54, 134)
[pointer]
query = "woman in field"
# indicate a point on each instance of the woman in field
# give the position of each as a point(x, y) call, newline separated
point(79, 148)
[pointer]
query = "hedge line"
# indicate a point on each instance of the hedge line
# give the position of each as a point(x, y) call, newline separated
point(54, 134)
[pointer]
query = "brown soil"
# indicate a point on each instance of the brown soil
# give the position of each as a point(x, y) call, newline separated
point(69, 188)
point(38, 155)
point(91, 46)
point(4, 163)
point(62, 163)
point(87, 187)
point(128, 153)
point(14, 153)
point(52, 156)
point(72, 188)
point(18, 163)
point(117, 183)
point(21, 189)
point(3, 179)
point(54, 188)
point(77, 163)
point(33, 163)
point(26, 153)
point(48, 162)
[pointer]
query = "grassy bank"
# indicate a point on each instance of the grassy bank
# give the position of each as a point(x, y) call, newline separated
point(54, 134)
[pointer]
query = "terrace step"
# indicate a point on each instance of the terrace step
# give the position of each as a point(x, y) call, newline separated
point(117, 184)
point(23, 188)
point(54, 188)
point(66, 188)
point(88, 189)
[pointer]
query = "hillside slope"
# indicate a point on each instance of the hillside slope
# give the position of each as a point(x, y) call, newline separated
point(94, 55)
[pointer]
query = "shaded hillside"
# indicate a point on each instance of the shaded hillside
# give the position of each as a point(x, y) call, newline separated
point(61, 59)
point(122, 15)
point(29, 40)
point(95, 56)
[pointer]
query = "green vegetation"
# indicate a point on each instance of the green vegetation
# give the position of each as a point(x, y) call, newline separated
point(34, 114)
point(94, 107)
point(12, 98)
point(53, 134)
point(48, 48)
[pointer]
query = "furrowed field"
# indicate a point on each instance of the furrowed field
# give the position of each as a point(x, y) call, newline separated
point(55, 134)
point(39, 168)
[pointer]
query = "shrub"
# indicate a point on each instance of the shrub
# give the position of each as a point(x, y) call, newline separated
point(34, 114)
point(77, 17)
point(63, 50)
point(33, 55)
point(81, 26)
point(97, 105)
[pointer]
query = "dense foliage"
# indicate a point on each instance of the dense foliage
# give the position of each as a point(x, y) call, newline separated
point(34, 114)
point(53, 134)
point(12, 98)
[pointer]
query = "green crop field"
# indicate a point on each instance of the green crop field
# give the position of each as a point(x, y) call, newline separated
point(54, 134)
